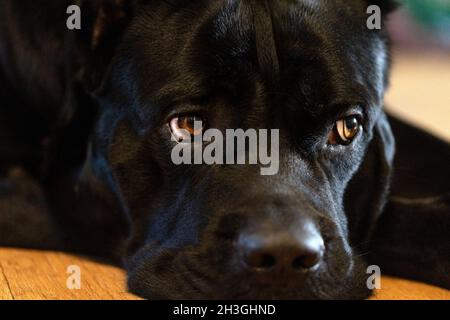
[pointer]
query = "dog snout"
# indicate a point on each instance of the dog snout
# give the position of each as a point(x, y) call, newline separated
point(281, 250)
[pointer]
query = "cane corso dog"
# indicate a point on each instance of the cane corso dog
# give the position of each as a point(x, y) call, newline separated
point(87, 117)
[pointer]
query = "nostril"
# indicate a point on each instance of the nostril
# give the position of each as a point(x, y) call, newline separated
point(306, 261)
point(260, 260)
point(267, 261)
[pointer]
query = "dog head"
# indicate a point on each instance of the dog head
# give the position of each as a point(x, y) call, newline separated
point(310, 69)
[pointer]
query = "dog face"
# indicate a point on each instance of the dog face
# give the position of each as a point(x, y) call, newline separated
point(311, 69)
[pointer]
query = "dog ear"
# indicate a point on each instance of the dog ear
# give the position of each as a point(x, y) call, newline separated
point(103, 24)
point(89, 51)
point(367, 192)
point(416, 218)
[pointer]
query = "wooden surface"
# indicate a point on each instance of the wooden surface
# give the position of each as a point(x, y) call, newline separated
point(420, 92)
point(28, 274)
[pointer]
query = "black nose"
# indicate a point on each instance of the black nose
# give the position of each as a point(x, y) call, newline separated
point(266, 250)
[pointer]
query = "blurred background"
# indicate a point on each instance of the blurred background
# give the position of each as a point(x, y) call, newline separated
point(420, 84)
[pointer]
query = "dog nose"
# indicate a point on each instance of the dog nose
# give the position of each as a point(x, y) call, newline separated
point(281, 250)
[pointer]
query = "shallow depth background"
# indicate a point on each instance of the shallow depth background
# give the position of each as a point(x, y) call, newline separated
point(420, 85)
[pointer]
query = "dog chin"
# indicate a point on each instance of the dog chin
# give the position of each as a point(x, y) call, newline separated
point(171, 284)
point(159, 292)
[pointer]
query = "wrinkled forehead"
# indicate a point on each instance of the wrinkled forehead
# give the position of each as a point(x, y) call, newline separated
point(317, 51)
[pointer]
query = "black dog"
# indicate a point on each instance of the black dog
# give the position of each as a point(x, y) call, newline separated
point(85, 116)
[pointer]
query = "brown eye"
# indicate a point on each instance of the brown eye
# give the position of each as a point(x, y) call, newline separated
point(186, 126)
point(345, 130)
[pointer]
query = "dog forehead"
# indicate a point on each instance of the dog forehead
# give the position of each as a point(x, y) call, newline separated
point(318, 49)
point(313, 44)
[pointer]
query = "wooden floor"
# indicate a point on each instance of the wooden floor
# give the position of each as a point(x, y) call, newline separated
point(26, 274)
point(420, 92)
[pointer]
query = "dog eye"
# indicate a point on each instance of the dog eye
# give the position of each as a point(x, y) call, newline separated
point(345, 130)
point(186, 127)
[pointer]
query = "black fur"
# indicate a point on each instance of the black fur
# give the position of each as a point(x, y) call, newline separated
point(84, 114)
